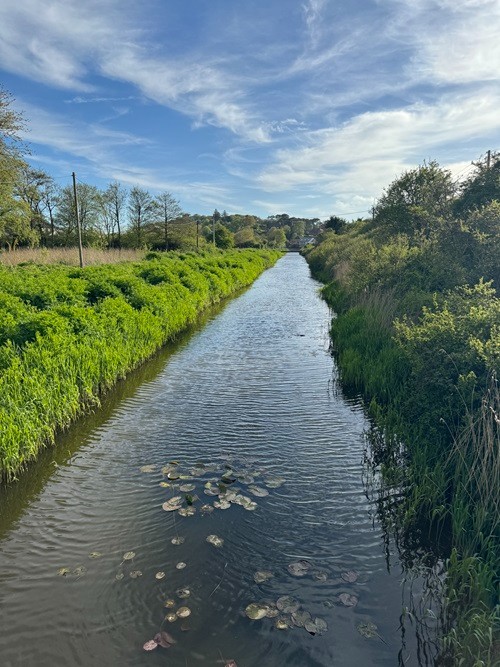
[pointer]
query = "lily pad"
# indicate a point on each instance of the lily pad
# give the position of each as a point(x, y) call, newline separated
point(173, 504)
point(215, 540)
point(128, 555)
point(287, 604)
point(183, 593)
point(250, 506)
point(178, 540)
point(282, 624)
point(258, 491)
point(350, 576)
point(180, 566)
point(206, 509)
point(119, 576)
point(348, 600)
point(95, 554)
point(272, 612)
point(63, 571)
point(368, 630)
point(299, 568)
point(187, 511)
point(80, 570)
point(148, 468)
point(316, 627)
point(173, 475)
point(256, 611)
point(169, 603)
point(165, 485)
point(164, 640)
point(186, 488)
point(183, 612)
point(222, 504)
point(274, 482)
point(300, 618)
point(171, 617)
point(320, 575)
point(135, 574)
point(160, 575)
point(150, 645)
point(262, 575)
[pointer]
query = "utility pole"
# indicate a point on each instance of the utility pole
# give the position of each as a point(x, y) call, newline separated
point(488, 160)
point(79, 227)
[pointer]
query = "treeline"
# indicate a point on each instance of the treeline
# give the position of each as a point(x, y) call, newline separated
point(418, 333)
point(38, 210)
point(67, 334)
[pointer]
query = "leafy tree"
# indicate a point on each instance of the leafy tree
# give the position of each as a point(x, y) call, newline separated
point(90, 209)
point(223, 237)
point(335, 223)
point(115, 200)
point(245, 238)
point(32, 189)
point(415, 203)
point(276, 238)
point(481, 188)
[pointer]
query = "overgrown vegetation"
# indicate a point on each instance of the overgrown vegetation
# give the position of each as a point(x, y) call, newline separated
point(68, 334)
point(418, 333)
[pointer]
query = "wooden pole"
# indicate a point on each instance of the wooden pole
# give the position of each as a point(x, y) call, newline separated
point(79, 227)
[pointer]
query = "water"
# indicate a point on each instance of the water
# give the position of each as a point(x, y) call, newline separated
point(253, 389)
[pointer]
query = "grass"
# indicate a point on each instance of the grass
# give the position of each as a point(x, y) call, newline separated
point(68, 256)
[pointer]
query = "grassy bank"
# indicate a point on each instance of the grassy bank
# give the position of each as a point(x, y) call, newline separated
point(68, 334)
point(417, 332)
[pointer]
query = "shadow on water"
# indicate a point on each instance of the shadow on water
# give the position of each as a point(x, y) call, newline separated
point(16, 496)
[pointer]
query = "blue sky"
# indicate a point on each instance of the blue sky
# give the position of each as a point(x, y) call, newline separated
point(308, 107)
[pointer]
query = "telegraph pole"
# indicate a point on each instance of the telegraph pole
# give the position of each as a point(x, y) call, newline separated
point(488, 160)
point(80, 248)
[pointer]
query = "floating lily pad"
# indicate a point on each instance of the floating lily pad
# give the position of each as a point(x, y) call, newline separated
point(171, 617)
point(215, 540)
point(63, 571)
point(272, 612)
point(246, 479)
point(256, 611)
point(320, 575)
point(95, 554)
point(169, 603)
point(173, 504)
point(186, 488)
point(187, 511)
point(211, 492)
point(282, 624)
point(274, 482)
point(258, 491)
point(262, 575)
point(287, 604)
point(183, 593)
point(165, 485)
point(173, 475)
point(183, 612)
point(160, 575)
point(350, 576)
point(368, 630)
point(164, 640)
point(148, 468)
point(316, 627)
point(80, 570)
point(180, 566)
point(250, 506)
point(150, 645)
point(128, 555)
point(178, 540)
point(300, 618)
point(348, 600)
point(119, 576)
point(222, 504)
point(299, 568)
point(206, 509)
point(135, 574)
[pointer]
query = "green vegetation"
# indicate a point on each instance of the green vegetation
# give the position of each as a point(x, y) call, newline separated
point(417, 332)
point(68, 334)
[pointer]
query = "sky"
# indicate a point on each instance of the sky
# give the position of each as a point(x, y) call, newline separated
point(310, 107)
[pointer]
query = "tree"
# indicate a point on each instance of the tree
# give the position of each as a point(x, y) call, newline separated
point(32, 189)
point(14, 214)
point(115, 200)
point(223, 237)
point(141, 210)
point(276, 237)
point(480, 189)
point(90, 209)
point(415, 202)
point(335, 223)
point(169, 209)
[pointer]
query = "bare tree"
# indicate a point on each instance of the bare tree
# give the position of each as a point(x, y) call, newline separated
point(170, 210)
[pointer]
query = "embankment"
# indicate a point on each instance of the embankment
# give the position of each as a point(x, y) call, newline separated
point(67, 334)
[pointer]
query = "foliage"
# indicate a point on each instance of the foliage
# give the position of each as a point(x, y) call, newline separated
point(67, 334)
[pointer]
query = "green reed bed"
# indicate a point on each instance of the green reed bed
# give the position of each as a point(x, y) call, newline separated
point(68, 334)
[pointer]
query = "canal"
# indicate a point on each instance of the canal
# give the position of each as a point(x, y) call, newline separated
point(241, 427)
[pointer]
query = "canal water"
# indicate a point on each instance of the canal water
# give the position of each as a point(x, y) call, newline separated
point(246, 407)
